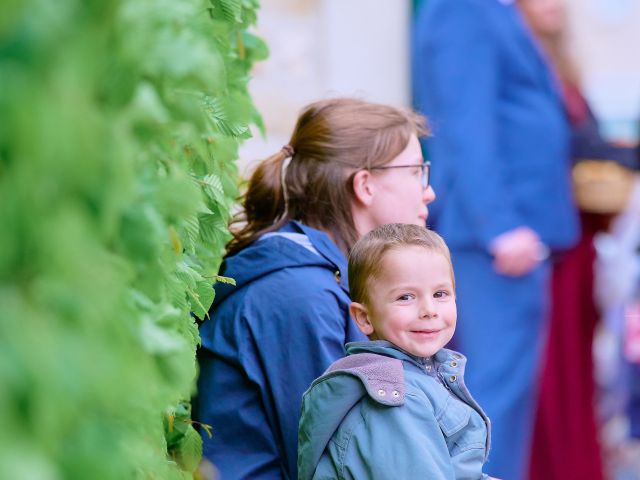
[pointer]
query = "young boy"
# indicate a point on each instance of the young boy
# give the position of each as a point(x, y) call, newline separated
point(396, 407)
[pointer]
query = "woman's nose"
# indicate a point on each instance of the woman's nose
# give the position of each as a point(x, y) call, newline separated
point(428, 195)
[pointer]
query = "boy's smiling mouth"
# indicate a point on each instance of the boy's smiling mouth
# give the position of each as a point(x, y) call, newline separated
point(425, 332)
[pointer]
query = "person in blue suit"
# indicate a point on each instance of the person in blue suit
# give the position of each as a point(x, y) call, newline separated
point(501, 166)
point(350, 166)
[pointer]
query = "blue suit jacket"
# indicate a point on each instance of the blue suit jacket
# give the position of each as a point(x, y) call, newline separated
point(500, 145)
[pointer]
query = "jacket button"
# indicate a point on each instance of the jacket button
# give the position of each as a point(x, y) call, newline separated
point(395, 393)
point(454, 364)
point(338, 276)
point(382, 393)
point(453, 378)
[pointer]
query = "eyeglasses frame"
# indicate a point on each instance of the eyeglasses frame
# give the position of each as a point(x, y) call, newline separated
point(424, 166)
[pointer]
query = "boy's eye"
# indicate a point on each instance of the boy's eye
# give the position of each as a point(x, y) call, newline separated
point(441, 294)
point(405, 297)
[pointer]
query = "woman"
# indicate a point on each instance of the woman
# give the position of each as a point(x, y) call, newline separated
point(565, 437)
point(349, 167)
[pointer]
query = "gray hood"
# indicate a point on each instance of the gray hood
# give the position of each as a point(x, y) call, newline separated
point(326, 404)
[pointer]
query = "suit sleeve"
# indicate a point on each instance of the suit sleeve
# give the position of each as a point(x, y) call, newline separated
point(457, 85)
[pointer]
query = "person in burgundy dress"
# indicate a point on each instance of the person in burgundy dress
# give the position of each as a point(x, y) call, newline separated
point(565, 441)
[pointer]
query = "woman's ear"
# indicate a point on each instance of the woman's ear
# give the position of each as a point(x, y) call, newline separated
point(360, 315)
point(363, 187)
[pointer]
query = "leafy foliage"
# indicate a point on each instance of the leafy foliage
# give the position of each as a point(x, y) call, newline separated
point(120, 123)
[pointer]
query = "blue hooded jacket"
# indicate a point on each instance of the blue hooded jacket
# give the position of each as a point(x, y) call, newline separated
point(382, 413)
point(266, 340)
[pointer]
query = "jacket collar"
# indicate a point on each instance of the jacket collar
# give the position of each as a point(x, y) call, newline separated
point(265, 256)
point(383, 347)
point(325, 247)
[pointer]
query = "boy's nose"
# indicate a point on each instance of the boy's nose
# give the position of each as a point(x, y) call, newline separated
point(427, 309)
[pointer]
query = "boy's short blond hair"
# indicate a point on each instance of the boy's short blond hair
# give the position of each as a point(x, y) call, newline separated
point(365, 258)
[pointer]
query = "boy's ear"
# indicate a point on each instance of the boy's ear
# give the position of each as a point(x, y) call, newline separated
point(359, 314)
point(362, 187)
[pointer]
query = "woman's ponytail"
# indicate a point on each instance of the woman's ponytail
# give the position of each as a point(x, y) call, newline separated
point(264, 205)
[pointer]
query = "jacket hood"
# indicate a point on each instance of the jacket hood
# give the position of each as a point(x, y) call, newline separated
point(372, 368)
point(332, 396)
point(278, 251)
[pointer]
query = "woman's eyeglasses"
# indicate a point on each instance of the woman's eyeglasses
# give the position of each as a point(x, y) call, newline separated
point(425, 167)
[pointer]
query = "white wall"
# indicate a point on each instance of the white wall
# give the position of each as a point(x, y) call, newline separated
point(323, 48)
point(606, 40)
point(366, 49)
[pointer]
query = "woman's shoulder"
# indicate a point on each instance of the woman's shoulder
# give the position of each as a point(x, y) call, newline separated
point(288, 296)
point(275, 252)
point(297, 286)
point(275, 265)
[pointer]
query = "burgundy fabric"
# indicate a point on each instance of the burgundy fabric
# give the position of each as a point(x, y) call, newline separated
point(565, 443)
point(574, 103)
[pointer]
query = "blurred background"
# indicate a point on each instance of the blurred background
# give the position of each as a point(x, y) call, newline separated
point(324, 48)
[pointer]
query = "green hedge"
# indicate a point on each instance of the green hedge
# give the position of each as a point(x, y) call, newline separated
point(120, 123)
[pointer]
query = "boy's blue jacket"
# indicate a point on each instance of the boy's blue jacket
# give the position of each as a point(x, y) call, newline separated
point(266, 340)
point(382, 413)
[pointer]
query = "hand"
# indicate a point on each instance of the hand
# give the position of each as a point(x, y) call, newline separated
point(517, 251)
point(624, 143)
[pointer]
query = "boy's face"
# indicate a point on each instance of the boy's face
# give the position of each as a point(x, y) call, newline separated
point(411, 303)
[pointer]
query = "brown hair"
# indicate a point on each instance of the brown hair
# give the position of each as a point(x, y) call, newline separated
point(332, 140)
point(365, 258)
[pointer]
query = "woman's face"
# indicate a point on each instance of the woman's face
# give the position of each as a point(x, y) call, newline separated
point(399, 195)
point(546, 17)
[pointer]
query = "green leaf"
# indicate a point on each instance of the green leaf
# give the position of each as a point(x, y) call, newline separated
point(227, 280)
point(158, 340)
point(213, 186)
point(231, 9)
point(187, 275)
point(189, 451)
point(256, 48)
point(190, 229)
point(201, 299)
point(218, 114)
point(176, 292)
point(208, 228)
point(192, 332)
